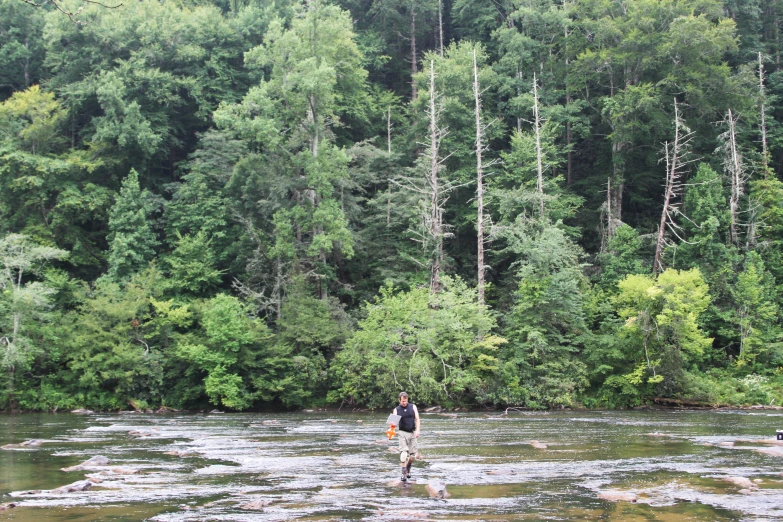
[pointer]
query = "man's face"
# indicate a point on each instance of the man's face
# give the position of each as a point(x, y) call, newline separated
point(403, 401)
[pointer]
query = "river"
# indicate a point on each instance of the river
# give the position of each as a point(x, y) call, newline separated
point(666, 465)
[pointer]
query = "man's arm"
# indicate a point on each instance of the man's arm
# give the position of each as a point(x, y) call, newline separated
point(418, 421)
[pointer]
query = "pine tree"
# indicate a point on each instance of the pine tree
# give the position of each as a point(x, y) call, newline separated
point(132, 241)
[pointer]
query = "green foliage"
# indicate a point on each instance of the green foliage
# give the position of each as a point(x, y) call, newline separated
point(439, 348)
point(546, 324)
point(132, 241)
point(24, 305)
point(192, 266)
point(661, 330)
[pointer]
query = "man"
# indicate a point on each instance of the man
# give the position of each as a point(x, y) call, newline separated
point(410, 426)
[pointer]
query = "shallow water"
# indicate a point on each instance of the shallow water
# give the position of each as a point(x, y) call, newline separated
point(339, 466)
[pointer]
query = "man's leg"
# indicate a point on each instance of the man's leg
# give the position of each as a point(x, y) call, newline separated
point(412, 451)
point(404, 454)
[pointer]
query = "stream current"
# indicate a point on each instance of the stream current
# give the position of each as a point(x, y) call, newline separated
point(608, 465)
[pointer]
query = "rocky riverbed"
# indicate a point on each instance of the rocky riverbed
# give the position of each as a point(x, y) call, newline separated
point(631, 465)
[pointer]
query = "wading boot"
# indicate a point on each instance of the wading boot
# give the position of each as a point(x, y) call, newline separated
point(408, 469)
point(404, 477)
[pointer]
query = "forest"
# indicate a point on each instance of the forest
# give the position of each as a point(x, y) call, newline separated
point(283, 204)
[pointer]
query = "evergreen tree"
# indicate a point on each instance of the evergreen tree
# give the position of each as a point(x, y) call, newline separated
point(132, 241)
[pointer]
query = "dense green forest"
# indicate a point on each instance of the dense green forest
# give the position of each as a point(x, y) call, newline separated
point(284, 204)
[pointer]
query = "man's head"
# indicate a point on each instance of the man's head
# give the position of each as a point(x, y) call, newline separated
point(403, 399)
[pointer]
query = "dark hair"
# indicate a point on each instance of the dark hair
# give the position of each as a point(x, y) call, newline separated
point(403, 394)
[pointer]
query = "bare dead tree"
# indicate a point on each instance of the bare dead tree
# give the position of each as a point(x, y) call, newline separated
point(677, 157)
point(764, 152)
point(539, 162)
point(480, 148)
point(433, 190)
point(414, 65)
point(440, 27)
point(72, 14)
point(733, 164)
point(479, 183)
point(435, 205)
point(388, 150)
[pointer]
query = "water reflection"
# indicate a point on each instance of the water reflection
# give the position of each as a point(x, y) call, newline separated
point(659, 465)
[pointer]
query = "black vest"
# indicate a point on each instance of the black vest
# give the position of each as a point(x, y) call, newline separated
point(407, 418)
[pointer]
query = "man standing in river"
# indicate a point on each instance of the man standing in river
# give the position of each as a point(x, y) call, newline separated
point(410, 426)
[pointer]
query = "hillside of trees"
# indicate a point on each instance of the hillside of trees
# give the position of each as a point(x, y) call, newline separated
point(255, 204)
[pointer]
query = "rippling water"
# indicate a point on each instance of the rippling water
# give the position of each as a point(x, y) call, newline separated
point(668, 465)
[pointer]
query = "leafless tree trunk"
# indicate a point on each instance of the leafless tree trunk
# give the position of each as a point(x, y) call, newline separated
point(764, 152)
point(479, 182)
point(414, 66)
point(27, 63)
point(735, 170)
point(676, 155)
point(539, 162)
point(440, 26)
point(388, 150)
point(437, 216)
point(569, 157)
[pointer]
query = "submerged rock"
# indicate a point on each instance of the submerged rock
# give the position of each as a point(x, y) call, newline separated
point(124, 471)
point(98, 460)
point(6, 507)
point(775, 452)
point(81, 485)
point(743, 482)
point(216, 411)
point(255, 504)
point(537, 445)
point(181, 453)
point(437, 489)
point(34, 443)
point(618, 496)
point(83, 411)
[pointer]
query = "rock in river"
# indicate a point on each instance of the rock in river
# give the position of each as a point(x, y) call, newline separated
point(82, 485)
point(742, 482)
point(618, 496)
point(437, 489)
point(6, 507)
point(34, 443)
point(256, 504)
point(98, 460)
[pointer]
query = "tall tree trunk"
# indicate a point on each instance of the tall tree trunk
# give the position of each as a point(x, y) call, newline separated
point(674, 165)
point(436, 215)
point(440, 26)
point(27, 63)
point(539, 162)
point(764, 152)
point(570, 159)
point(735, 169)
point(414, 66)
point(659, 244)
point(479, 182)
point(388, 150)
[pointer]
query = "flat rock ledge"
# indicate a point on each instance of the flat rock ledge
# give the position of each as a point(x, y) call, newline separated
point(93, 462)
point(742, 482)
point(437, 490)
point(255, 505)
point(34, 443)
point(618, 496)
